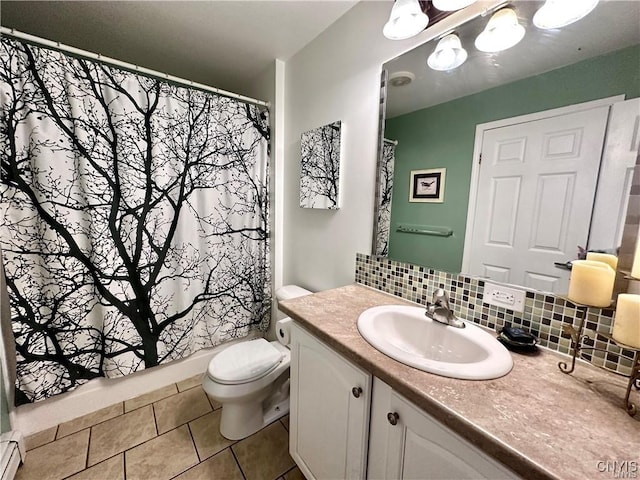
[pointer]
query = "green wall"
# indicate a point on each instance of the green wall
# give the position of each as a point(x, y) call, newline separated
point(443, 136)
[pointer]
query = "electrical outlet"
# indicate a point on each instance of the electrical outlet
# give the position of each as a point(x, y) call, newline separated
point(502, 296)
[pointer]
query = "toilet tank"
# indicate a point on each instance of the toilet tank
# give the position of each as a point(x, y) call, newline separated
point(291, 291)
point(284, 293)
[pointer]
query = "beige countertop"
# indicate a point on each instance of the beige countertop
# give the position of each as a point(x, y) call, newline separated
point(536, 420)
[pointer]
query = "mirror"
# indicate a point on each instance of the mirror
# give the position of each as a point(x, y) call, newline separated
point(437, 118)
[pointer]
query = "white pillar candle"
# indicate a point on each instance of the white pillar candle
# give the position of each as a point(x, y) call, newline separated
point(635, 269)
point(607, 258)
point(591, 283)
point(626, 326)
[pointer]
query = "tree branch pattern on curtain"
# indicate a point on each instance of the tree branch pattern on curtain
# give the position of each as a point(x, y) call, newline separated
point(385, 194)
point(134, 218)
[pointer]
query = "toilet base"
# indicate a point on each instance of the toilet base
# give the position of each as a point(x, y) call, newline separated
point(239, 420)
point(277, 412)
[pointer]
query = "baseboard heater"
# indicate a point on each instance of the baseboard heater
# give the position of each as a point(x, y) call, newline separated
point(12, 452)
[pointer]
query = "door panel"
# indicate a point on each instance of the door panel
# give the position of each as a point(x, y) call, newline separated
point(554, 198)
point(562, 145)
point(505, 193)
point(536, 281)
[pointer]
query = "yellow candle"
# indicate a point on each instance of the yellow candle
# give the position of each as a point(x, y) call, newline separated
point(591, 283)
point(607, 258)
point(635, 269)
point(626, 326)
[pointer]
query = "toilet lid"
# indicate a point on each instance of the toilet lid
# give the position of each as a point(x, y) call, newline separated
point(244, 361)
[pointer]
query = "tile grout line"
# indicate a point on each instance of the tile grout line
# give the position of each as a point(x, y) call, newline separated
point(193, 441)
point(295, 465)
point(86, 459)
point(123, 451)
point(147, 441)
point(155, 420)
point(93, 424)
point(154, 401)
point(124, 412)
point(237, 462)
point(45, 443)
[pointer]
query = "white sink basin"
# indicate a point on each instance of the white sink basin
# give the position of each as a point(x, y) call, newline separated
point(405, 334)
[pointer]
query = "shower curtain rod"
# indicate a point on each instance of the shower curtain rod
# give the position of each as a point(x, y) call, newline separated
point(129, 66)
point(394, 142)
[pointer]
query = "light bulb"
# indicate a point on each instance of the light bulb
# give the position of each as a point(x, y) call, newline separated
point(502, 32)
point(560, 13)
point(448, 54)
point(406, 20)
point(451, 5)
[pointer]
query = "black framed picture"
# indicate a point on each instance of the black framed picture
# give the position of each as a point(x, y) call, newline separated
point(427, 185)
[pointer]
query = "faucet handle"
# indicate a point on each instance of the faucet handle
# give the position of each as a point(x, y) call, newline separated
point(441, 298)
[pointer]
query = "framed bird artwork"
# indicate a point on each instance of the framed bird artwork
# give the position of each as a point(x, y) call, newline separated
point(427, 185)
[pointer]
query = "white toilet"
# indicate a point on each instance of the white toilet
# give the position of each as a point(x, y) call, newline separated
point(251, 380)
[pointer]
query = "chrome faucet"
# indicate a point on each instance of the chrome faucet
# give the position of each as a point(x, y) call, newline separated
point(440, 311)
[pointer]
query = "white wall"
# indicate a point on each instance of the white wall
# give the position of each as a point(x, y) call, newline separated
point(337, 77)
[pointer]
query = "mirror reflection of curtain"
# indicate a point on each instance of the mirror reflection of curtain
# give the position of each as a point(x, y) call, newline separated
point(135, 218)
point(384, 197)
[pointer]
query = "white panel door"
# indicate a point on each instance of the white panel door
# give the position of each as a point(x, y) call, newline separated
point(329, 422)
point(535, 196)
point(618, 160)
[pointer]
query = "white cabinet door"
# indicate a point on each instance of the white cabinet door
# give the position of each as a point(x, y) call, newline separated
point(419, 447)
point(329, 419)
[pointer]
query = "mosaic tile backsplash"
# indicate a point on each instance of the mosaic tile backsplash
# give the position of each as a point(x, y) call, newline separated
point(544, 314)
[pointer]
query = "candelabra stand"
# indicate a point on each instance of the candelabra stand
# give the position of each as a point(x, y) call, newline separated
point(578, 338)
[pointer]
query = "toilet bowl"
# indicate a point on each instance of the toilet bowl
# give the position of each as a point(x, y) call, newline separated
point(251, 380)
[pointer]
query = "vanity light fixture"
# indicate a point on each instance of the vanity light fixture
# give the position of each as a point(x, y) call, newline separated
point(406, 20)
point(560, 13)
point(451, 5)
point(448, 54)
point(502, 32)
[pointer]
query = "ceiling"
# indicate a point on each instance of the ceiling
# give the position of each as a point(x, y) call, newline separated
point(225, 44)
point(613, 25)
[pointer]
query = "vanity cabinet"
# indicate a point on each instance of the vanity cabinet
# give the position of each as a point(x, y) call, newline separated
point(407, 443)
point(329, 416)
point(344, 423)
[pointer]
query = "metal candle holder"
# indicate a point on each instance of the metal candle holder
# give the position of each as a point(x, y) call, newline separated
point(578, 338)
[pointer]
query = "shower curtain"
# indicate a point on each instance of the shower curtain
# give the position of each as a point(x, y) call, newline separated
point(134, 218)
point(385, 192)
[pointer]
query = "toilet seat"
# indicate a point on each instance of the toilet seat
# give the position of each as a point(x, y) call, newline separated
point(244, 362)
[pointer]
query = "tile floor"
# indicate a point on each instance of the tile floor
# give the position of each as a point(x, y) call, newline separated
point(170, 433)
